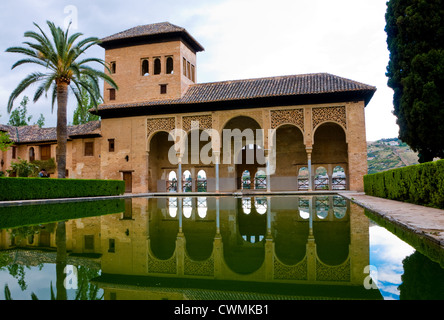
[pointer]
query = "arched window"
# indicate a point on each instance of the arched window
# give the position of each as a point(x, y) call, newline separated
point(157, 66)
point(260, 180)
point(201, 181)
point(246, 180)
point(321, 179)
point(169, 65)
point(303, 178)
point(145, 67)
point(187, 181)
point(322, 207)
point(339, 181)
point(172, 182)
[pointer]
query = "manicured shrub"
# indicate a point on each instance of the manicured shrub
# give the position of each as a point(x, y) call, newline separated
point(41, 188)
point(18, 216)
point(420, 184)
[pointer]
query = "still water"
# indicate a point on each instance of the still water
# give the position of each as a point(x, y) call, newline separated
point(205, 248)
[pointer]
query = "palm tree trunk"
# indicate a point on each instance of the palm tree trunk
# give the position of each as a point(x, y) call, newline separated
point(62, 130)
point(61, 260)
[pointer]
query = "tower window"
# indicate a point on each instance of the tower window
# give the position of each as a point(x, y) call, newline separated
point(112, 67)
point(157, 66)
point(184, 67)
point(169, 65)
point(188, 70)
point(193, 73)
point(145, 67)
point(163, 89)
point(112, 94)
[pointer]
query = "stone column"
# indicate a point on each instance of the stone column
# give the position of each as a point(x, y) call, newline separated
point(179, 173)
point(310, 170)
point(216, 165)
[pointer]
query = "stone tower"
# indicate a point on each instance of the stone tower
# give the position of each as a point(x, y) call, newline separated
point(150, 62)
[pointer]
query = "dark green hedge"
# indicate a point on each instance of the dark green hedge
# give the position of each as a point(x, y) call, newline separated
point(18, 216)
point(43, 188)
point(420, 184)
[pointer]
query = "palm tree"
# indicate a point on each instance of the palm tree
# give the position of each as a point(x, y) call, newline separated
point(64, 68)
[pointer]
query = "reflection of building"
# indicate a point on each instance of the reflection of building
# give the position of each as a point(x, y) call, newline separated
point(262, 241)
point(318, 121)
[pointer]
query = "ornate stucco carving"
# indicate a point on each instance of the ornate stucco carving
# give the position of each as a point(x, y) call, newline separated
point(336, 114)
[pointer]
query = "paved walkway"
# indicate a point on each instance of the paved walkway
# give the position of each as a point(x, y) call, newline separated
point(428, 222)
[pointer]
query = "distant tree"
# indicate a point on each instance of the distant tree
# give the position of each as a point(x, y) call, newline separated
point(41, 121)
point(415, 39)
point(82, 114)
point(5, 141)
point(19, 116)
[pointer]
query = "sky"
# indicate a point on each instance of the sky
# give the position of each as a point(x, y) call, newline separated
point(243, 39)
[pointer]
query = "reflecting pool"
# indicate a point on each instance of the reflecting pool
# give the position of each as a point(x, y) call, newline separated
point(208, 248)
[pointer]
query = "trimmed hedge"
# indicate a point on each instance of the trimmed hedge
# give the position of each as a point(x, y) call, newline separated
point(44, 188)
point(421, 184)
point(19, 216)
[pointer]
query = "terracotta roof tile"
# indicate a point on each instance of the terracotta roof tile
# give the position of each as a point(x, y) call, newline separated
point(282, 86)
point(29, 134)
point(162, 29)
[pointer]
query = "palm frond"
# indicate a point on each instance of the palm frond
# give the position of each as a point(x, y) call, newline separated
point(32, 78)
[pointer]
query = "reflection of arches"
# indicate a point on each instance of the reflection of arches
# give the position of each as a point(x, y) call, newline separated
point(291, 232)
point(246, 253)
point(172, 207)
point(163, 228)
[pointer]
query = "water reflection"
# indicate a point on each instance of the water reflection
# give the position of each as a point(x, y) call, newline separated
point(211, 248)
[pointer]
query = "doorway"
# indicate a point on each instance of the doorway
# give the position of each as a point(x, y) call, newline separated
point(128, 178)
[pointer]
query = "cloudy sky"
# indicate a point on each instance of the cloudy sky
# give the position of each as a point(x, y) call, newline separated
point(242, 39)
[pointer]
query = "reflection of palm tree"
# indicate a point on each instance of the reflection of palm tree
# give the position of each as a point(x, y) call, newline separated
point(61, 260)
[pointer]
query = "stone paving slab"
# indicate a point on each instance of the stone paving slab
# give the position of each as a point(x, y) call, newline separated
point(429, 222)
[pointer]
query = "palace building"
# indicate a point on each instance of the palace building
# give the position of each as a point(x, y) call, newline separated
point(162, 131)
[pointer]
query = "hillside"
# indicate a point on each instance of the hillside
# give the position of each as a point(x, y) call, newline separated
point(388, 154)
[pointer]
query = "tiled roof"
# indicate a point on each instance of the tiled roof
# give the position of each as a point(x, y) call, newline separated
point(29, 134)
point(151, 30)
point(282, 86)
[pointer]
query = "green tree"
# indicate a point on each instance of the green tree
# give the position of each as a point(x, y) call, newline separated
point(19, 116)
point(415, 39)
point(81, 114)
point(61, 59)
point(5, 141)
point(41, 121)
